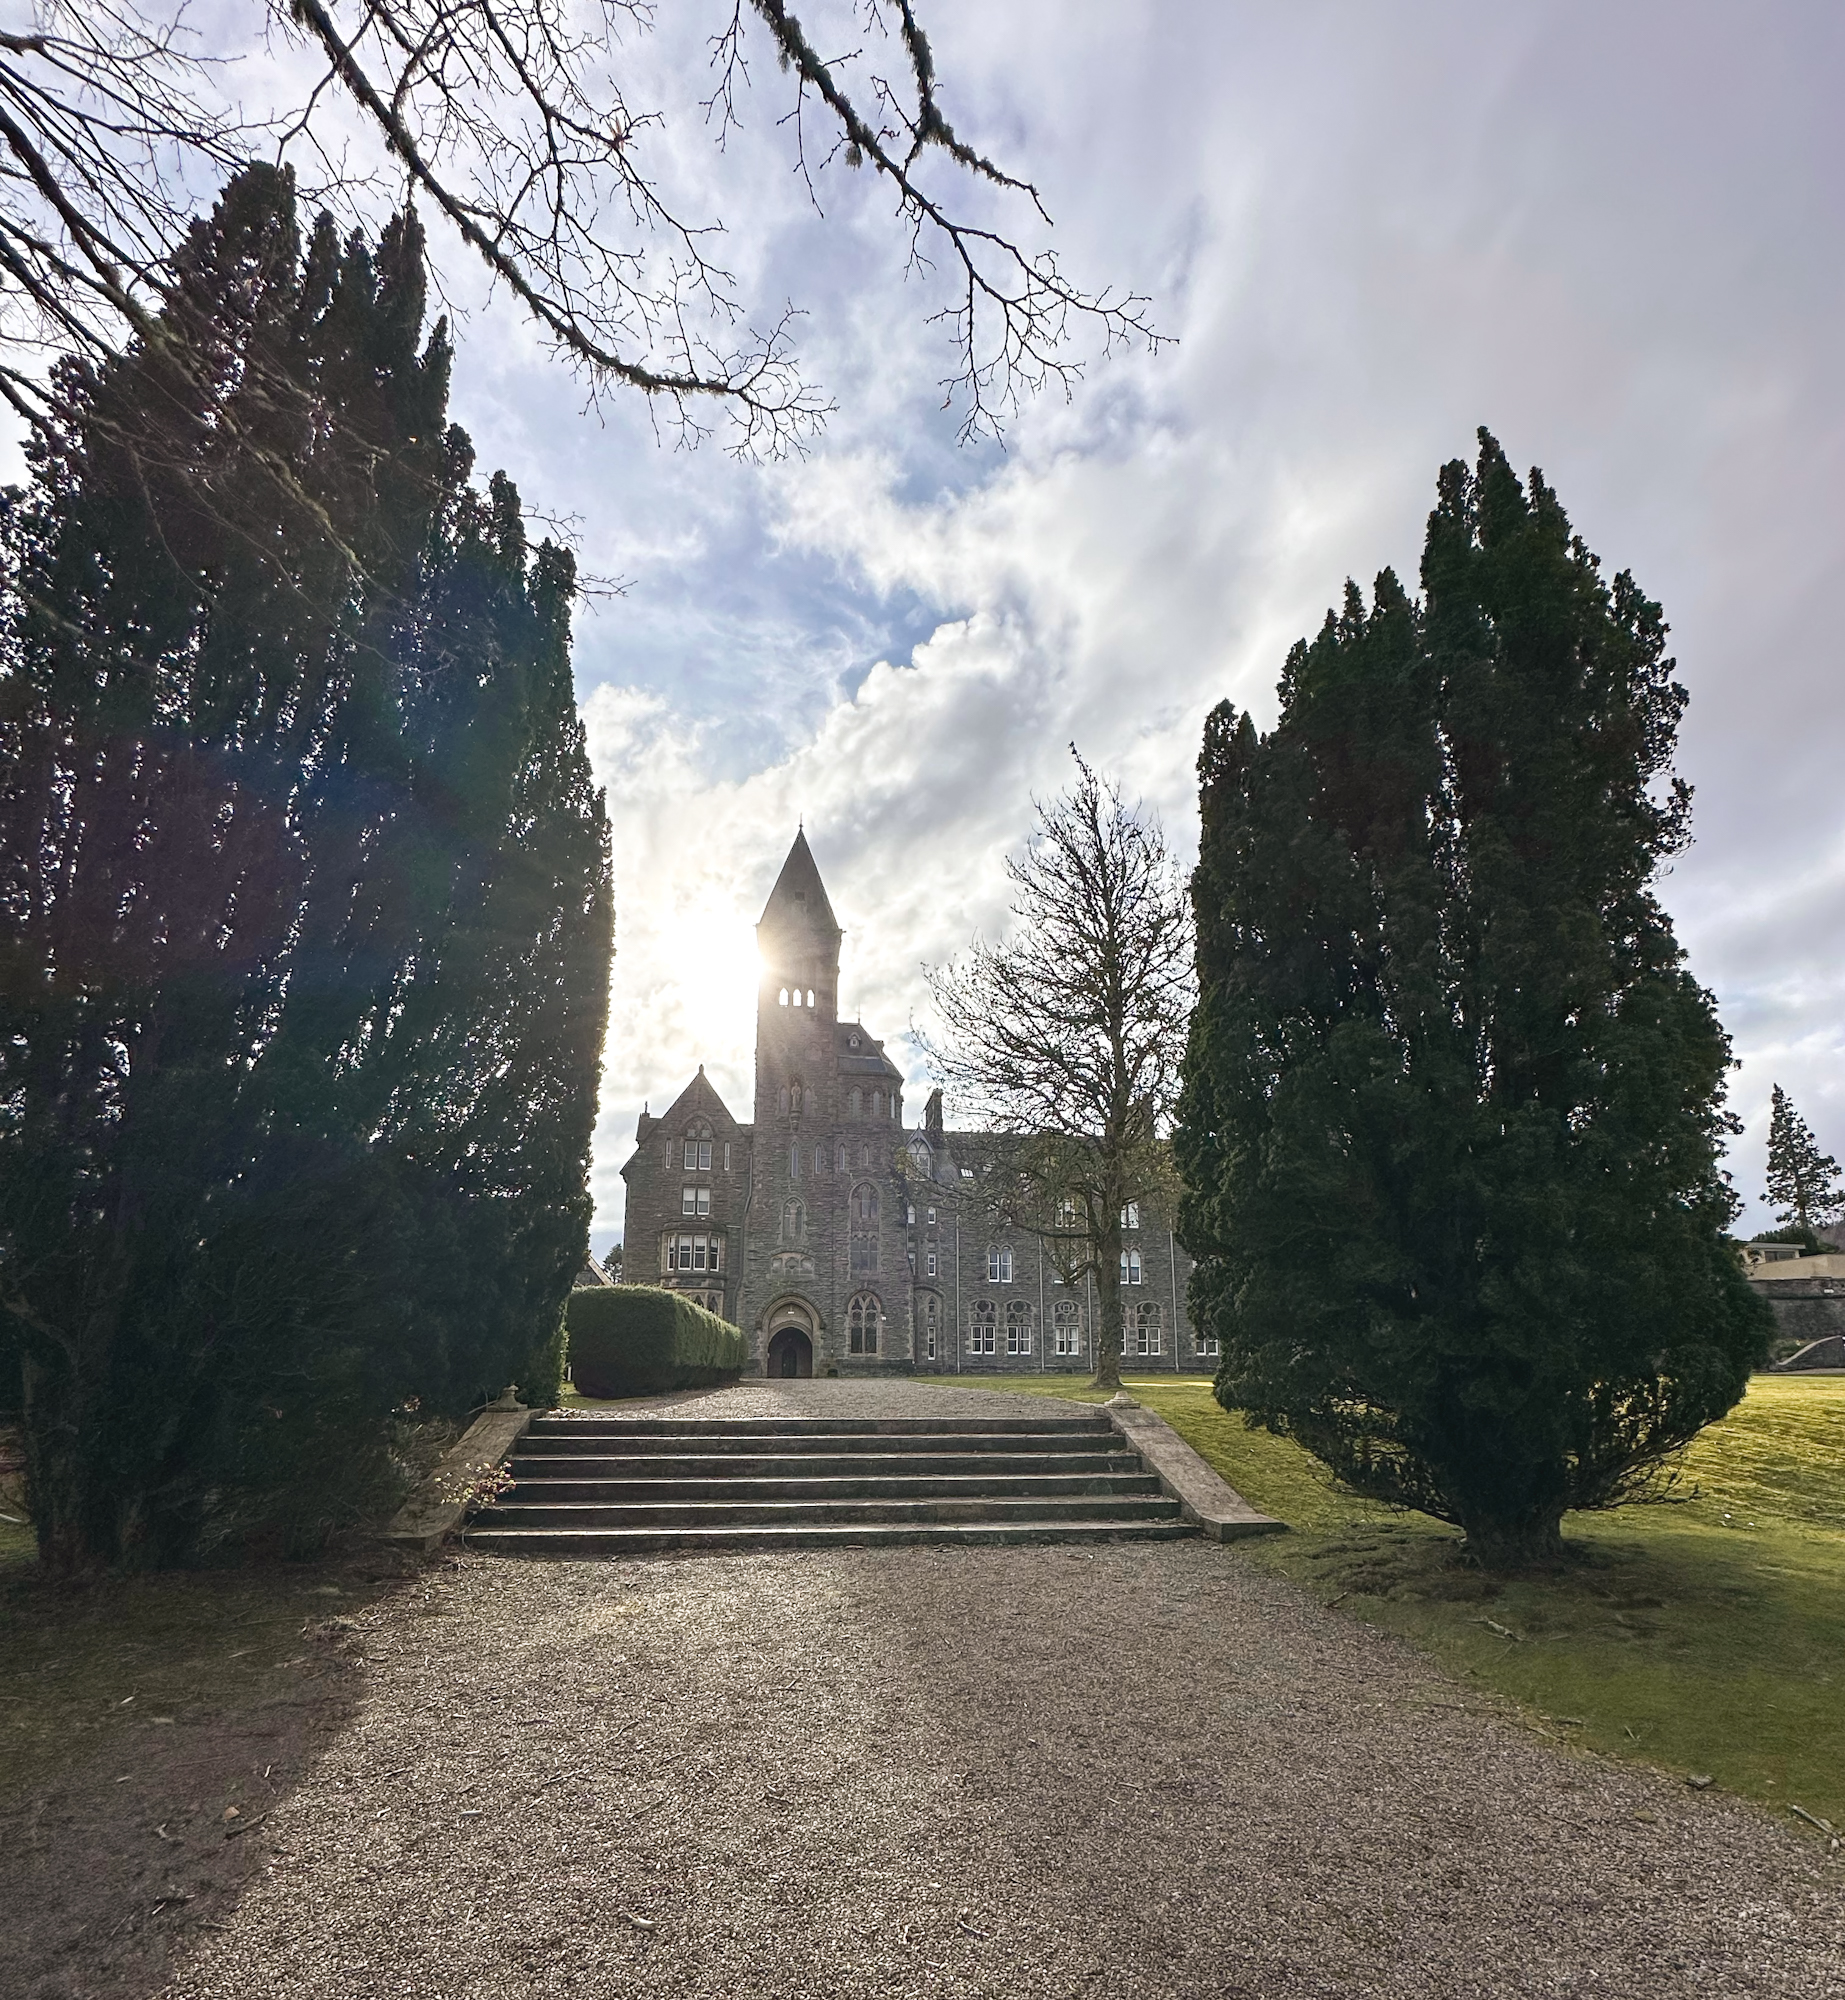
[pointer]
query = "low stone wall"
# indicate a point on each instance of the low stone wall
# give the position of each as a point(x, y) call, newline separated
point(1806, 1309)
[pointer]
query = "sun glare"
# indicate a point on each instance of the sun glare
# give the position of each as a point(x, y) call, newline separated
point(718, 969)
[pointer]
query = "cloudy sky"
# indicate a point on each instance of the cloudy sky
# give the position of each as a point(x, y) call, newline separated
point(1611, 232)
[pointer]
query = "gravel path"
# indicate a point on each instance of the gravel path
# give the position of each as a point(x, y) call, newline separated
point(1123, 1770)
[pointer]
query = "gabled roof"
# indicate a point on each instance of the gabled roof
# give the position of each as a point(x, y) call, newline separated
point(697, 1100)
point(797, 908)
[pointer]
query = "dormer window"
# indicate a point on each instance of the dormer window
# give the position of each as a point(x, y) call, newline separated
point(851, 1041)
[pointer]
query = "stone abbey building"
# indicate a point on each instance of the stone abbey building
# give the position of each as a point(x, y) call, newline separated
point(840, 1240)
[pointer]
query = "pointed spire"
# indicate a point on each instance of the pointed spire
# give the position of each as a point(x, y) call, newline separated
point(797, 905)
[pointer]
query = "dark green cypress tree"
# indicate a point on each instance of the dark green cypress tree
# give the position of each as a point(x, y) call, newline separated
point(1454, 1103)
point(285, 711)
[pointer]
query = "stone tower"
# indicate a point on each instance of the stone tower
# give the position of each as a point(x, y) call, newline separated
point(826, 1276)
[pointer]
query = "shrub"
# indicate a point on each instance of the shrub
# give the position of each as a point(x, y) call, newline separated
point(637, 1340)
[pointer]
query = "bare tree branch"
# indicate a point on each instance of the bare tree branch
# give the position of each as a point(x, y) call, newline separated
point(509, 119)
point(1065, 1039)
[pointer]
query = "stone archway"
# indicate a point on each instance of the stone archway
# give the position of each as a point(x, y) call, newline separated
point(790, 1337)
point(791, 1353)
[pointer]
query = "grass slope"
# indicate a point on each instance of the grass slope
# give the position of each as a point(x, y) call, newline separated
point(1705, 1636)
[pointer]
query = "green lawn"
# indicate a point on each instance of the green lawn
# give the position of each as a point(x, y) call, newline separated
point(1703, 1636)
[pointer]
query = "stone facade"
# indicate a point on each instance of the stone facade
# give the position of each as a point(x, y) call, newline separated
point(842, 1241)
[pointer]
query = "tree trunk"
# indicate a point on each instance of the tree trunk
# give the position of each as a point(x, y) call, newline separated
point(1506, 1547)
point(1108, 1298)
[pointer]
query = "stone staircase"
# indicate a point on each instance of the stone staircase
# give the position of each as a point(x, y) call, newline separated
point(650, 1485)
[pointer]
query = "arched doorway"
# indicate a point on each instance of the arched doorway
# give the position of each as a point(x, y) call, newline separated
point(791, 1353)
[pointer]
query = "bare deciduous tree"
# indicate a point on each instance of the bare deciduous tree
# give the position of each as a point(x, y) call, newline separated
point(1065, 1040)
point(509, 120)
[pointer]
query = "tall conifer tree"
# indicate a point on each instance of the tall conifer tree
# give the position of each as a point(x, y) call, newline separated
point(1453, 1102)
point(308, 908)
point(1800, 1176)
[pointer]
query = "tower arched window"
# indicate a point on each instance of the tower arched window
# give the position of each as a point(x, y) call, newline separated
point(877, 1104)
point(784, 998)
point(797, 996)
point(862, 1318)
point(864, 1203)
point(855, 1103)
point(839, 1157)
point(810, 996)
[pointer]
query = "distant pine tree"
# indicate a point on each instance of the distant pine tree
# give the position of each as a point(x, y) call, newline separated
point(1802, 1178)
point(304, 978)
point(1453, 1102)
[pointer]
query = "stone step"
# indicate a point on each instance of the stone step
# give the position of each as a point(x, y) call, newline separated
point(579, 1441)
point(585, 1542)
point(1034, 1510)
point(553, 1426)
point(543, 1488)
point(998, 1465)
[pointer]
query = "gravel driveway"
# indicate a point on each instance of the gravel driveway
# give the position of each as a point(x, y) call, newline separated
point(1123, 1770)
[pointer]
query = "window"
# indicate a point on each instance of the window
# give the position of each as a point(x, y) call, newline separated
point(862, 1225)
point(784, 1097)
point(1018, 1327)
point(819, 1159)
point(794, 1160)
point(862, 1324)
point(980, 1338)
point(855, 1103)
point(1207, 1343)
point(839, 1157)
point(810, 996)
point(1066, 1327)
point(698, 1152)
point(1141, 1333)
point(1066, 1213)
point(877, 1104)
point(1130, 1216)
point(1130, 1267)
point(931, 1308)
point(999, 1266)
point(931, 1264)
point(727, 1156)
point(797, 996)
point(695, 1252)
point(967, 1173)
point(930, 1216)
point(695, 1201)
point(784, 999)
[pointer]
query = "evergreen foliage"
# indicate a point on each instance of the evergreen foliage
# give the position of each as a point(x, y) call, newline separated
point(1453, 1102)
point(1802, 1178)
point(308, 908)
point(641, 1340)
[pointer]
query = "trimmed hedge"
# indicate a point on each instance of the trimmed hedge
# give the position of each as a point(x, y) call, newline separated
point(638, 1340)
